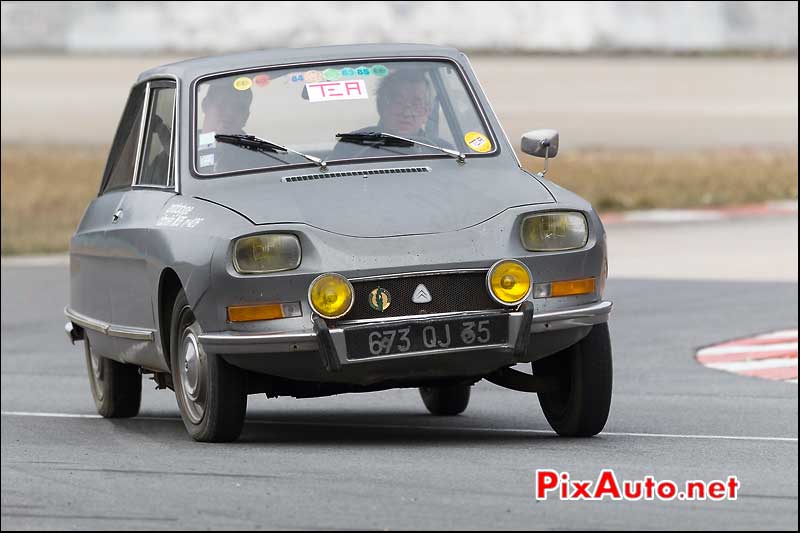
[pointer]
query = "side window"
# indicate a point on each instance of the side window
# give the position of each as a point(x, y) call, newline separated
point(155, 165)
point(122, 159)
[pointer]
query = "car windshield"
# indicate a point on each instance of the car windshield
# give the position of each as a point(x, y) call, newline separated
point(307, 112)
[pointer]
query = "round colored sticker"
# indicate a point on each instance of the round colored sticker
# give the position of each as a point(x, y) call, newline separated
point(380, 70)
point(313, 76)
point(297, 76)
point(348, 72)
point(242, 84)
point(478, 142)
point(363, 71)
point(331, 74)
point(262, 80)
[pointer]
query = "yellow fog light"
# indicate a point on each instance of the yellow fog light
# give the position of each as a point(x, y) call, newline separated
point(509, 282)
point(331, 295)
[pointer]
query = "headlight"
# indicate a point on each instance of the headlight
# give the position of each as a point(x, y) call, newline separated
point(509, 282)
point(331, 295)
point(554, 231)
point(271, 252)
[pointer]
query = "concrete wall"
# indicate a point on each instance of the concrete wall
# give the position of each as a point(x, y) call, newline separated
point(187, 27)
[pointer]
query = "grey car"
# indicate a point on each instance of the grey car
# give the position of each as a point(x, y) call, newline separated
point(311, 222)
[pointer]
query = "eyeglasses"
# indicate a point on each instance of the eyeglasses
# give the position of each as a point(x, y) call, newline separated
point(416, 106)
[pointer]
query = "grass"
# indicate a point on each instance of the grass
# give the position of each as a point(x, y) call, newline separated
point(46, 189)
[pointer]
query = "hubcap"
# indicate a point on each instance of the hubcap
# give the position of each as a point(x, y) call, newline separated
point(95, 366)
point(193, 375)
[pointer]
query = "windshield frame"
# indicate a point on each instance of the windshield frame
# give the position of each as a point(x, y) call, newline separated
point(193, 108)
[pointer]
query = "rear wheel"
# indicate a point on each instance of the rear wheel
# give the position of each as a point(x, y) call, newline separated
point(211, 394)
point(116, 387)
point(447, 400)
point(580, 406)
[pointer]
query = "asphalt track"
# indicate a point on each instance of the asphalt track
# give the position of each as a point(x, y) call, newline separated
point(378, 461)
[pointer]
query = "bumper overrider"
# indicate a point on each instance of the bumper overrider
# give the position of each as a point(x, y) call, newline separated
point(330, 340)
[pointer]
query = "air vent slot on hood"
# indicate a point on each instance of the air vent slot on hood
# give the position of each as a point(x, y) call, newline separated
point(368, 172)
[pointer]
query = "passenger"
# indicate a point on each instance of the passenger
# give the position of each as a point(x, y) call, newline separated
point(226, 111)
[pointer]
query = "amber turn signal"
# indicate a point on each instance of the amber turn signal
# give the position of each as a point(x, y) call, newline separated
point(572, 287)
point(250, 313)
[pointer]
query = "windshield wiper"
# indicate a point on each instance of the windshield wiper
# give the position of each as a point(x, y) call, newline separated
point(257, 143)
point(376, 138)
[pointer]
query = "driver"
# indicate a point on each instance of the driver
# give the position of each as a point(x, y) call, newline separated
point(404, 103)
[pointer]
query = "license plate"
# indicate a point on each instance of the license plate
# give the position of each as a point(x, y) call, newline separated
point(363, 343)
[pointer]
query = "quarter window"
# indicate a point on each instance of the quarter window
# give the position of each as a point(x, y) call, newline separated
point(121, 160)
point(156, 159)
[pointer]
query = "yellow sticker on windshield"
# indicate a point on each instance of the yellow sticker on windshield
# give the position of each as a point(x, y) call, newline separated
point(478, 142)
point(242, 84)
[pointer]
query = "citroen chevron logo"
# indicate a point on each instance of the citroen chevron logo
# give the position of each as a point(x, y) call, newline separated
point(421, 295)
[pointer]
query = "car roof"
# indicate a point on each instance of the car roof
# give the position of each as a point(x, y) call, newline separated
point(194, 68)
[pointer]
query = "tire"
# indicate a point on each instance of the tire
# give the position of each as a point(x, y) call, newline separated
point(447, 400)
point(211, 394)
point(584, 371)
point(116, 387)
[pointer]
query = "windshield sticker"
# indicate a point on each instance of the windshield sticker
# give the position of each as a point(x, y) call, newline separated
point(337, 90)
point(206, 141)
point(206, 160)
point(242, 84)
point(332, 74)
point(348, 72)
point(477, 142)
point(177, 216)
point(262, 80)
point(313, 76)
point(380, 71)
point(363, 71)
point(297, 76)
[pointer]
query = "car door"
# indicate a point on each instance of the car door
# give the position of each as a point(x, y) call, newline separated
point(91, 279)
point(132, 306)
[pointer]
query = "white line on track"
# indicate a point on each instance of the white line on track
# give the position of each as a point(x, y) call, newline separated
point(436, 428)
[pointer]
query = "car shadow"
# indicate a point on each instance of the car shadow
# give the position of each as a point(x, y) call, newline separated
point(350, 429)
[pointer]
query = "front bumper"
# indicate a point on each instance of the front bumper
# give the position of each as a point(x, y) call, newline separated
point(331, 344)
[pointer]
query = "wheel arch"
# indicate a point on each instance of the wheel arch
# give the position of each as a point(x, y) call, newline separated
point(169, 285)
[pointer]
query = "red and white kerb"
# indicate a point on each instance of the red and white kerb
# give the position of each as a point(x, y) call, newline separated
point(769, 356)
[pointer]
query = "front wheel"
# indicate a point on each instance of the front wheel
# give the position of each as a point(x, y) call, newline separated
point(580, 406)
point(116, 387)
point(211, 394)
point(447, 400)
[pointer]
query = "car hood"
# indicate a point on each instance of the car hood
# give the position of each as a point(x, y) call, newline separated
point(381, 204)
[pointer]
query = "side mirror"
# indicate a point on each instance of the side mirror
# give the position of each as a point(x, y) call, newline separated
point(540, 143)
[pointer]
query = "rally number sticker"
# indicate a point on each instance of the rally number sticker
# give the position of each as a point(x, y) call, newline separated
point(336, 90)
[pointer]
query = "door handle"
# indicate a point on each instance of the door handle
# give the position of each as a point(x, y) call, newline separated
point(117, 216)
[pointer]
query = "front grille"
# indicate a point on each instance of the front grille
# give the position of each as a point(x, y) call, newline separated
point(449, 293)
